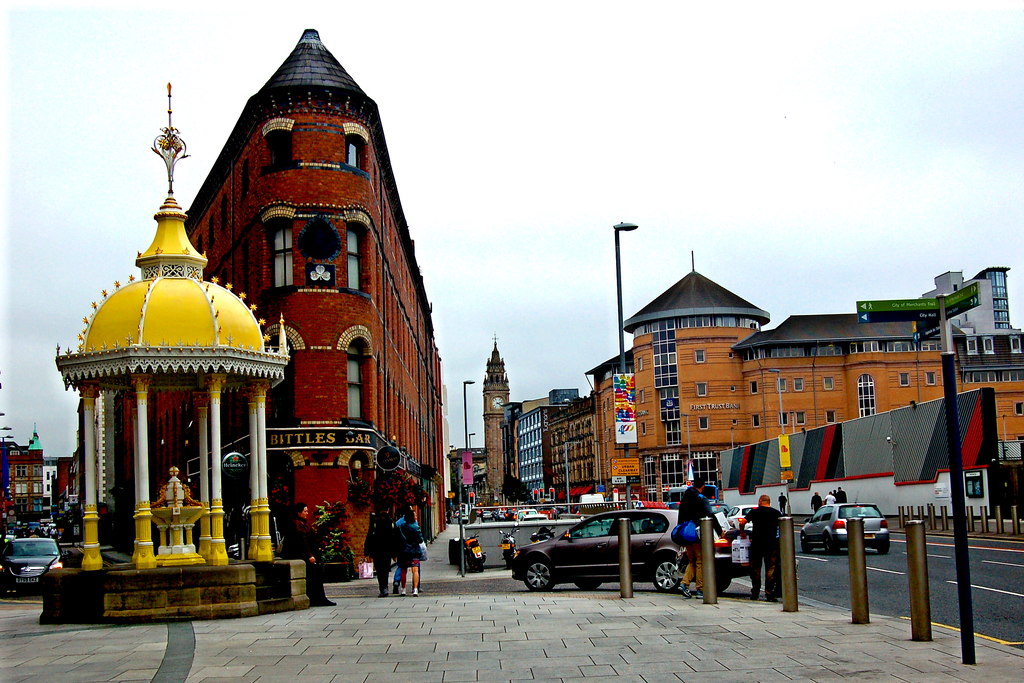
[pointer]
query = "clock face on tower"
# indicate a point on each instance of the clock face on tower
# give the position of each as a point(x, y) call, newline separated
point(496, 402)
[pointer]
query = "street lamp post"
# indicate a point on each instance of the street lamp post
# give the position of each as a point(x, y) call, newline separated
point(465, 428)
point(782, 426)
point(621, 227)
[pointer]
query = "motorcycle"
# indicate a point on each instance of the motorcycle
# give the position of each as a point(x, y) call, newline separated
point(541, 534)
point(475, 556)
point(508, 546)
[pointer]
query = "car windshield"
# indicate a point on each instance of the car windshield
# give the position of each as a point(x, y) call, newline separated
point(32, 549)
point(855, 511)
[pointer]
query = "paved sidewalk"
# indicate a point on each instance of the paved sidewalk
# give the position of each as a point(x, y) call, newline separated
point(523, 636)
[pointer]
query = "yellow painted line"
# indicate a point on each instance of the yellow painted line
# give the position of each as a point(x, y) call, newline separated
point(979, 635)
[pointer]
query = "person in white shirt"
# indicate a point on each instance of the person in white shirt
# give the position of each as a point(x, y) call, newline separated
point(830, 499)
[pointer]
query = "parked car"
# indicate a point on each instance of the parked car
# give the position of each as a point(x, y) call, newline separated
point(531, 516)
point(26, 560)
point(587, 554)
point(737, 515)
point(827, 528)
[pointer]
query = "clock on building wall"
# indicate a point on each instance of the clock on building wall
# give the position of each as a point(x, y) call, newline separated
point(496, 402)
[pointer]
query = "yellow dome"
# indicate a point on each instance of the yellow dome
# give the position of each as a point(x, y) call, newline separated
point(173, 311)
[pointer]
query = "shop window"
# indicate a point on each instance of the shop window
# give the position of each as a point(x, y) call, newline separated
point(904, 379)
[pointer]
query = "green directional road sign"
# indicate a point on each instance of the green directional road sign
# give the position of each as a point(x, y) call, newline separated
point(963, 300)
point(898, 305)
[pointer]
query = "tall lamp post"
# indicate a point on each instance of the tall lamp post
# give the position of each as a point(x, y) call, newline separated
point(622, 227)
point(782, 415)
point(6, 478)
point(465, 428)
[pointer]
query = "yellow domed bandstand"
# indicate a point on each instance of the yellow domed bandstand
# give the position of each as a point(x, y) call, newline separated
point(170, 330)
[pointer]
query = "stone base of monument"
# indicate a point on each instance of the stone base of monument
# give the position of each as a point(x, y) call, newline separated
point(128, 595)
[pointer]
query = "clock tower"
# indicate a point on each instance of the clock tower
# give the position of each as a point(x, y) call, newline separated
point(495, 392)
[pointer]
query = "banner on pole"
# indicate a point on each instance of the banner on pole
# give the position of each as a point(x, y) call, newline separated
point(784, 454)
point(467, 467)
point(625, 408)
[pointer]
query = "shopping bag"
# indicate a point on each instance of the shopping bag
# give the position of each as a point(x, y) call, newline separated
point(423, 551)
point(685, 533)
point(365, 570)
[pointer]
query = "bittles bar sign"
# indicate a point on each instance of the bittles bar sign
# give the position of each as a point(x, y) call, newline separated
point(328, 437)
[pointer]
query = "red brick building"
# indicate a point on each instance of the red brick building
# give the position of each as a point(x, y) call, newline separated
point(300, 216)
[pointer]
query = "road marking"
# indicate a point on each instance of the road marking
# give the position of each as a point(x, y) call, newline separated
point(979, 635)
point(887, 571)
point(994, 590)
point(1005, 564)
point(945, 557)
point(816, 559)
point(978, 547)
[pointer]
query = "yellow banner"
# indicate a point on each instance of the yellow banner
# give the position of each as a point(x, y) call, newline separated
point(784, 459)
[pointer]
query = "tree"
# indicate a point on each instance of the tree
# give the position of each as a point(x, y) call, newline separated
point(515, 490)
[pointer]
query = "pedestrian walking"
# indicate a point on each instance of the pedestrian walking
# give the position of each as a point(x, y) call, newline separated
point(295, 546)
point(692, 507)
point(380, 546)
point(840, 495)
point(410, 553)
point(782, 502)
point(764, 548)
point(830, 499)
point(815, 502)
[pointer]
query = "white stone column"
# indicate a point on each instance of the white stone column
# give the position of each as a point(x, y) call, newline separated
point(255, 511)
point(143, 557)
point(265, 551)
point(218, 550)
point(203, 418)
point(91, 560)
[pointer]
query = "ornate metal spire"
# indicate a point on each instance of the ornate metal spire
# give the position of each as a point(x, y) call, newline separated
point(170, 146)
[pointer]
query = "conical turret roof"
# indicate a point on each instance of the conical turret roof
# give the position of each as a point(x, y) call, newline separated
point(311, 65)
point(695, 295)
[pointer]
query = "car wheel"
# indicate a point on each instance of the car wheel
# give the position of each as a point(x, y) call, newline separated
point(883, 548)
point(829, 544)
point(587, 584)
point(805, 545)
point(666, 573)
point(538, 575)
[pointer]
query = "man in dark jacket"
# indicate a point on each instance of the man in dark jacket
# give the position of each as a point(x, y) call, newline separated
point(764, 548)
point(840, 495)
point(693, 506)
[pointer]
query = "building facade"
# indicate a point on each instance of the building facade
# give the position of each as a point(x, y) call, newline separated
point(709, 378)
point(301, 217)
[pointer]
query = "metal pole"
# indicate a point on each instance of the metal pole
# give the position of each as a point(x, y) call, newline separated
point(568, 502)
point(1014, 520)
point(622, 341)
point(999, 520)
point(945, 519)
point(956, 480)
point(625, 566)
point(970, 518)
point(931, 516)
point(858, 571)
point(787, 566)
point(903, 521)
point(707, 554)
point(462, 528)
point(917, 571)
point(984, 519)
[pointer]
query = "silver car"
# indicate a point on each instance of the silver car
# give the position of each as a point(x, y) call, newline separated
point(827, 528)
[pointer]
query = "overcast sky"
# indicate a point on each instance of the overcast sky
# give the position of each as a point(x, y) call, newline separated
point(809, 156)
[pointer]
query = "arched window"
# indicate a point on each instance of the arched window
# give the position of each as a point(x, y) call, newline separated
point(280, 233)
point(279, 142)
point(355, 152)
point(353, 265)
point(866, 395)
point(356, 356)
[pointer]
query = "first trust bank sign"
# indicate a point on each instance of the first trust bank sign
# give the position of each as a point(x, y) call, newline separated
point(328, 437)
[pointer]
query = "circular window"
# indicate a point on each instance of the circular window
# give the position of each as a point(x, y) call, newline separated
point(319, 240)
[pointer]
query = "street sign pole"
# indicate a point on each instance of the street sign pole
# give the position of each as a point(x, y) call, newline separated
point(956, 482)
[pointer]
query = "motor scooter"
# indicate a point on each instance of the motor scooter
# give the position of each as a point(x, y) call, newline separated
point(475, 555)
point(508, 545)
